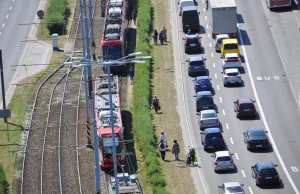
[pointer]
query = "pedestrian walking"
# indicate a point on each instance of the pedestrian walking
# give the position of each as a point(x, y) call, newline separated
point(162, 149)
point(131, 75)
point(155, 104)
point(134, 15)
point(191, 154)
point(161, 37)
point(163, 138)
point(176, 150)
point(155, 36)
point(165, 33)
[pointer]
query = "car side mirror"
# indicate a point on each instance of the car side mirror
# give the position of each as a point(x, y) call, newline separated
point(210, 79)
point(186, 60)
point(275, 165)
point(178, 3)
point(244, 133)
point(266, 131)
point(252, 166)
point(219, 187)
point(217, 111)
point(234, 102)
point(232, 154)
point(195, 96)
point(222, 72)
point(202, 133)
point(197, 113)
point(205, 59)
point(199, 12)
point(242, 185)
point(183, 38)
point(211, 155)
point(254, 101)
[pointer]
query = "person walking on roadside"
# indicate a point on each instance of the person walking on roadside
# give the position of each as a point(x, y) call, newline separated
point(165, 33)
point(131, 75)
point(161, 37)
point(162, 149)
point(155, 36)
point(163, 138)
point(175, 149)
point(155, 104)
point(134, 15)
point(192, 154)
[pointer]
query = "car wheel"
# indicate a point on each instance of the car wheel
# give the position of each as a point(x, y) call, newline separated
point(205, 149)
point(256, 182)
point(225, 85)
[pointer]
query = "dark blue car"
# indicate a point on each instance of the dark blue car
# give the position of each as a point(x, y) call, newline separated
point(212, 139)
point(202, 83)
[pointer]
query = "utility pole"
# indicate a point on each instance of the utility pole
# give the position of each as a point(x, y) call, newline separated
point(102, 7)
point(93, 45)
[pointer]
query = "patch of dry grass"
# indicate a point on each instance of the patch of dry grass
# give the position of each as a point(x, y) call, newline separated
point(164, 88)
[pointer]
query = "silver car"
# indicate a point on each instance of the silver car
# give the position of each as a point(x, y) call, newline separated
point(208, 118)
point(219, 39)
point(232, 76)
point(222, 160)
point(231, 187)
point(231, 60)
point(184, 3)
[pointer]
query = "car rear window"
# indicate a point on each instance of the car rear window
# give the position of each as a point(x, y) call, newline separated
point(196, 63)
point(189, 15)
point(223, 158)
point(246, 106)
point(192, 40)
point(204, 100)
point(187, 3)
point(230, 46)
point(211, 135)
point(203, 81)
point(270, 171)
point(233, 189)
point(232, 59)
point(232, 74)
point(208, 115)
point(257, 134)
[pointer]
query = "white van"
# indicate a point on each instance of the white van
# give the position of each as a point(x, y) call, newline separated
point(183, 3)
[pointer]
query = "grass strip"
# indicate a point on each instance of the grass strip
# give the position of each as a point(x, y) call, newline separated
point(142, 121)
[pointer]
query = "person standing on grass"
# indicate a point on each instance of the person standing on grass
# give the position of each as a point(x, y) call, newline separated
point(165, 33)
point(175, 149)
point(134, 15)
point(131, 75)
point(155, 36)
point(162, 149)
point(161, 37)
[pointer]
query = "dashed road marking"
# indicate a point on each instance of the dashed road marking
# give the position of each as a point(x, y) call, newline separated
point(237, 157)
point(244, 175)
point(227, 126)
point(209, 44)
point(223, 112)
point(208, 35)
point(216, 76)
point(221, 99)
point(207, 26)
point(231, 140)
point(10, 8)
point(212, 54)
point(214, 65)
point(203, 1)
point(0, 33)
point(204, 9)
point(218, 87)
point(6, 16)
point(205, 17)
point(250, 190)
point(3, 25)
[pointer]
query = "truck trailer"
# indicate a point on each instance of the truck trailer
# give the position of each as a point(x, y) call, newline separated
point(223, 18)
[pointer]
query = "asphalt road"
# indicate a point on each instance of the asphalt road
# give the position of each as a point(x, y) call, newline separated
point(13, 13)
point(264, 81)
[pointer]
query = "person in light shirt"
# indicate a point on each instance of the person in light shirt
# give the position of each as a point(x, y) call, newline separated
point(163, 138)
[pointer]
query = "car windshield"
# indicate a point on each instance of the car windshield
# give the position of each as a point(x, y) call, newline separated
point(268, 171)
point(192, 40)
point(257, 134)
point(187, 3)
point(230, 46)
point(232, 74)
point(234, 189)
point(223, 158)
point(232, 59)
point(196, 63)
point(204, 100)
point(246, 106)
point(212, 135)
point(208, 115)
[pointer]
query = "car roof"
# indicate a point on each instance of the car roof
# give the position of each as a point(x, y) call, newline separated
point(186, 1)
point(232, 70)
point(204, 93)
point(222, 153)
point(192, 36)
point(232, 184)
point(265, 165)
point(196, 58)
point(230, 41)
point(202, 78)
point(209, 111)
point(189, 8)
point(231, 55)
point(213, 130)
point(245, 100)
point(222, 36)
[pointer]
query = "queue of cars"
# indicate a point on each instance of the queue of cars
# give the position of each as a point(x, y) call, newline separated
point(209, 124)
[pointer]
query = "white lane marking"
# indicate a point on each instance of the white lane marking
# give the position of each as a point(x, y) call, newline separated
point(209, 44)
point(227, 126)
point(231, 140)
point(205, 17)
point(237, 157)
point(216, 76)
point(13, 1)
point(294, 169)
point(221, 99)
point(203, 1)
point(212, 54)
point(214, 64)
point(250, 190)
point(204, 9)
point(208, 35)
point(218, 87)
point(3, 25)
point(244, 175)
point(274, 146)
point(6, 16)
point(204, 186)
point(0, 33)
point(10, 8)
point(223, 112)
point(207, 26)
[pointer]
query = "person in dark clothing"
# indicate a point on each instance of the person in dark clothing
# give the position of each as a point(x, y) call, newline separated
point(155, 103)
point(155, 36)
point(134, 15)
point(162, 149)
point(161, 37)
point(131, 75)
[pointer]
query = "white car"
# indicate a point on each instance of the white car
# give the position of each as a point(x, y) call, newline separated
point(231, 60)
point(183, 3)
point(208, 118)
point(232, 76)
point(231, 187)
point(219, 39)
point(222, 160)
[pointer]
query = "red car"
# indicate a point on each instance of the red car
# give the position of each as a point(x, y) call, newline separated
point(245, 107)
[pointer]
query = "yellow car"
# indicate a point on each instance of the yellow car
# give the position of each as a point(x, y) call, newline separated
point(230, 46)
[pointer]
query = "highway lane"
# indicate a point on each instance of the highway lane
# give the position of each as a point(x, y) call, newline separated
point(13, 13)
point(236, 127)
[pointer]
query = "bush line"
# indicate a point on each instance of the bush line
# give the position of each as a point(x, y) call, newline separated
point(142, 120)
point(3, 181)
point(57, 15)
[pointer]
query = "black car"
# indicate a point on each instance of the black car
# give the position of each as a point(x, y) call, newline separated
point(204, 101)
point(256, 139)
point(212, 138)
point(265, 173)
point(196, 65)
point(192, 43)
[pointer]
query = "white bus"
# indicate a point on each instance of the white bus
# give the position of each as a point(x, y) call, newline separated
point(278, 3)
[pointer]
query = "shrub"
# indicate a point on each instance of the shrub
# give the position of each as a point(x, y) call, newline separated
point(3, 182)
